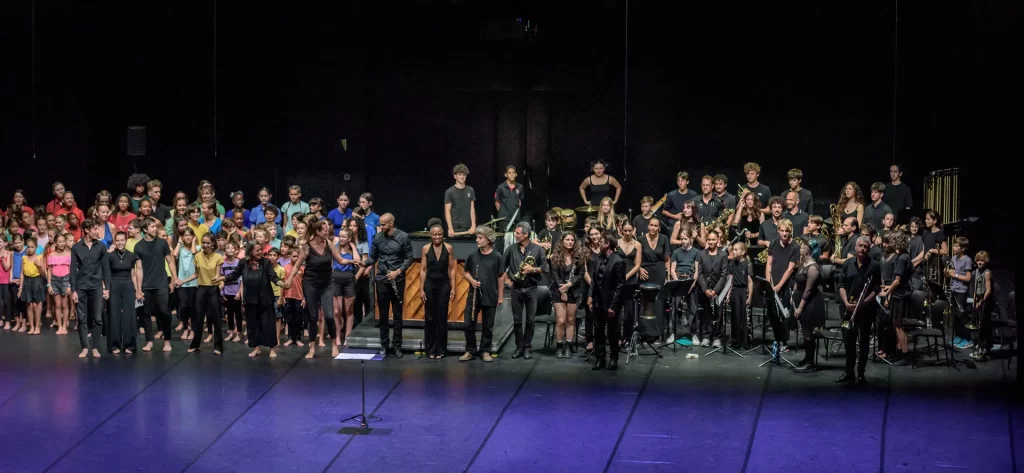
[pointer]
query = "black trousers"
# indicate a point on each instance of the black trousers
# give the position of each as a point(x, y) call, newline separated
point(435, 335)
point(524, 314)
point(984, 313)
point(607, 334)
point(155, 303)
point(738, 307)
point(362, 303)
point(390, 302)
point(961, 315)
point(6, 303)
point(294, 314)
point(588, 315)
point(121, 333)
point(262, 326)
point(779, 326)
point(317, 296)
point(207, 307)
point(90, 317)
point(858, 342)
point(187, 307)
point(233, 308)
point(487, 330)
point(711, 317)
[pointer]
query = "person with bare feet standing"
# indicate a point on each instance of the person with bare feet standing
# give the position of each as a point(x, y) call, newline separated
point(257, 274)
point(90, 278)
point(153, 252)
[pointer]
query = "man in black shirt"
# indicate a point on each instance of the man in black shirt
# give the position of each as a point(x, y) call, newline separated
point(763, 193)
point(673, 208)
point(851, 231)
point(154, 189)
point(769, 227)
point(898, 196)
point(876, 210)
point(153, 252)
point(806, 199)
point(90, 285)
point(606, 300)
point(483, 272)
point(854, 285)
point(783, 255)
point(524, 276)
point(728, 200)
point(460, 204)
point(794, 214)
point(391, 250)
point(707, 206)
point(508, 197)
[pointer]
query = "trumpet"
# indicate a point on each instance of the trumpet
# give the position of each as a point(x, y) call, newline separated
point(528, 261)
point(743, 190)
point(547, 239)
point(853, 314)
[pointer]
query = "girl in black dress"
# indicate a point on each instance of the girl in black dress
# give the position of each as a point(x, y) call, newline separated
point(567, 267)
point(851, 202)
point(257, 274)
point(654, 260)
point(592, 252)
point(600, 185)
point(810, 312)
point(898, 295)
point(437, 276)
point(125, 289)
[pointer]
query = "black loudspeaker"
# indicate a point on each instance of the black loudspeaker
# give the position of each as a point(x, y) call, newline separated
point(136, 141)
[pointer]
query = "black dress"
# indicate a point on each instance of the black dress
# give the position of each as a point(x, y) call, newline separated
point(123, 325)
point(653, 260)
point(808, 289)
point(259, 301)
point(437, 287)
point(599, 191)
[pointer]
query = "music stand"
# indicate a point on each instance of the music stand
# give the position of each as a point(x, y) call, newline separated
point(363, 418)
point(679, 288)
point(722, 320)
point(635, 342)
point(775, 356)
point(947, 339)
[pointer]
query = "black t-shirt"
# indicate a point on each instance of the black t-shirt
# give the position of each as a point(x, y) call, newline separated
point(740, 271)
point(874, 215)
point(707, 211)
point(768, 231)
point(675, 200)
point(905, 270)
point(781, 257)
point(640, 224)
point(153, 254)
point(898, 198)
point(121, 265)
point(799, 221)
point(461, 200)
point(486, 269)
point(876, 252)
point(806, 201)
point(762, 192)
point(932, 239)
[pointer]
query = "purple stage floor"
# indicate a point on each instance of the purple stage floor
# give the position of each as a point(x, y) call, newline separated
point(201, 413)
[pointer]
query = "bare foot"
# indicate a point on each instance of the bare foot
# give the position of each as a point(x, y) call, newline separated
point(208, 339)
point(334, 351)
point(167, 346)
point(312, 351)
point(116, 351)
point(299, 343)
point(179, 327)
point(84, 353)
point(254, 353)
point(273, 353)
point(216, 352)
point(128, 351)
point(321, 343)
point(148, 347)
point(193, 350)
point(142, 330)
point(288, 343)
point(95, 353)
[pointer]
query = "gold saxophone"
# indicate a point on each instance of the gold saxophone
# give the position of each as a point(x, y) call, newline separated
point(547, 239)
point(837, 229)
point(528, 261)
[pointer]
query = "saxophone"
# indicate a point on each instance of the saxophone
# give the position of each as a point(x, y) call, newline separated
point(837, 229)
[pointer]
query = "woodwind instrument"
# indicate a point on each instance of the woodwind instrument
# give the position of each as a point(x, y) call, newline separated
point(476, 292)
point(837, 229)
point(860, 298)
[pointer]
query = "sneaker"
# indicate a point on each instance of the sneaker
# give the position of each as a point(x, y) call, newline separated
point(979, 356)
point(696, 341)
point(466, 357)
point(966, 344)
point(487, 357)
point(670, 339)
point(706, 342)
point(717, 344)
point(957, 341)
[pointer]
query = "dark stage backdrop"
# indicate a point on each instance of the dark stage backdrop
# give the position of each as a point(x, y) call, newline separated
point(261, 96)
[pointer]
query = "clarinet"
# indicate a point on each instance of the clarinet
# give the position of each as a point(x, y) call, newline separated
point(394, 287)
point(476, 292)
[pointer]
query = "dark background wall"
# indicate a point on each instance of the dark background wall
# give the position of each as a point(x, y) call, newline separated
point(415, 87)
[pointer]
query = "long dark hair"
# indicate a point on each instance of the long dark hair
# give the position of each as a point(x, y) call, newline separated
point(360, 235)
point(559, 252)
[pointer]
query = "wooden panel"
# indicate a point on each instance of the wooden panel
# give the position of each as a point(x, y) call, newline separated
point(413, 306)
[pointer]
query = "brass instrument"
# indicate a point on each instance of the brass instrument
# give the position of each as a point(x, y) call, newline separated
point(743, 191)
point(547, 239)
point(762, 257)
point(837, 230)
point(528, 261)
point(853, 315)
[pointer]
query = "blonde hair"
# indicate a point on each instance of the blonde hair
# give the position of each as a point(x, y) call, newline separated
point(607, 220)
point(785, 224)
